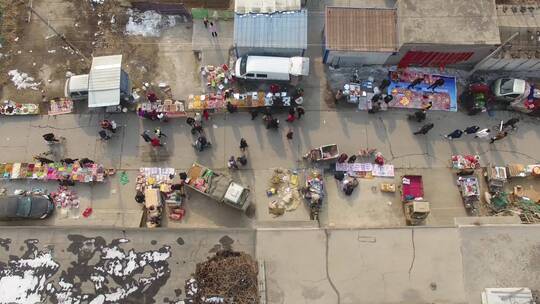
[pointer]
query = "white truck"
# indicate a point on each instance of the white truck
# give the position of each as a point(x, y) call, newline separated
point(271, 68)
point(217, 186)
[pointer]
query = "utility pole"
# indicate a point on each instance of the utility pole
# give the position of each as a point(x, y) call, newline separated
point(71, 46)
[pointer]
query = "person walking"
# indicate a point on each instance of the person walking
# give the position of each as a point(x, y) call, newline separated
point(146, 136)
point(484, 133)
point(108, 125)
point(438, 83)
point(232, 163)
point(190, 121)
point(155, 142)
point(242, 160)
point(454, 135)
point(291, 117)
point(254, 113)
point(50, 138)
point(205, 22)
point(158, 133)
point(499, 136)
point(290, 134)
point(471, 130)
point(427, 106)
point(213, 30)
point(511, 123)
point(206, 114)
point(300, 111)
point(243, 145)
point(424, 129)
point(103, 135)
point(198, 117)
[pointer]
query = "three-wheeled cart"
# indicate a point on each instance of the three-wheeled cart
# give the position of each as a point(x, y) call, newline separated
point(470, 192)
point(415, 208)
point(496, 178)
point(313, 192)
point(327, 152)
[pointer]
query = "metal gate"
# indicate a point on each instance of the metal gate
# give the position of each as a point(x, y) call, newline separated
point(433, 59)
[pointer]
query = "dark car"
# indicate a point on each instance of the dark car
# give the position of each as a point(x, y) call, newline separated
point(20, 207)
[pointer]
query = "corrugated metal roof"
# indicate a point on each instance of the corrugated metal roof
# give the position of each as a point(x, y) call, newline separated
point(104, 81)
point(265, 6)
point(286, 30)
point(361, 29)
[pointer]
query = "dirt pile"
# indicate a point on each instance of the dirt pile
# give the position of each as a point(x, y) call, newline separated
point(229, 277)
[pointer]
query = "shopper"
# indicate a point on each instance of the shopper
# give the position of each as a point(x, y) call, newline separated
point(511, 123)
point(190, 121)
point(352, 159)
point(140, 197)
point(427, 106)
point(158, 133)
point(484, 133)
point(415, 82)
point(342, 158)
point(499, 136)
point(291, 117)
point(254, 113)
point(108, 125)
point(300, 111)
point(242, 160)
point(103, 135)
point(243, 145)
point(197, 128)
point(146, 136)
point(424, 129)
point(155, 142)
point(50, 138)
point(438, 83)
point(205, 22)
point(231, 164)
point(454, 135)
point(85, 162)
point(290, 134)
point(419, 116)
point(231, 108)
point(213, 30)
point(471, 130)
point(68, 161)
point(206, 114)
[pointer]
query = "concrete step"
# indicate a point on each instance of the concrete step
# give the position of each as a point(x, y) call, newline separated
point(286, 224)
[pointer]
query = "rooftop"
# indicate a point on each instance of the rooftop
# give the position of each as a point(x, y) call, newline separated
point(104, 81)
point(448, 22)
point(279, 30)
point(361, 29)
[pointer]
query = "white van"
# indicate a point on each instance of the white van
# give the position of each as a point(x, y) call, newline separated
point(271, 68)
point(76, 87)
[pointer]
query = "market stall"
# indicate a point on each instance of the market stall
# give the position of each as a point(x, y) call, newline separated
point(314, 192)
point(254, 99)
point(170, 108)
point(216, 77)
point(55, 171)
point(60, 106)
point(284, 191)
point(11, 108)
point(470, 192)
point(465, 164)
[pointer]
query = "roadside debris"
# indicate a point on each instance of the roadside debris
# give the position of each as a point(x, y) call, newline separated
point(22, 81)
point(148, 24)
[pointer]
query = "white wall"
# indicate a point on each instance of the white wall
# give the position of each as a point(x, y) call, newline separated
point(356, 58)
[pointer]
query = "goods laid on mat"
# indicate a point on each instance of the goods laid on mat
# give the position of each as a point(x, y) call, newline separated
point(284, 185)
point(460, 162)
point(229, 277)
point(60, 106)
point(171, 108)
point(216, 77)
point(55, 171)
point(13, 108)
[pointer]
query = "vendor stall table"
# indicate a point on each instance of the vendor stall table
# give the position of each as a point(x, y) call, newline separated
point(171, 108)
point(11, 108)
point(55, 171)
point(60, 106)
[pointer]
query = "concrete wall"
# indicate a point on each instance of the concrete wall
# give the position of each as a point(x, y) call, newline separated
point(480, 52)
point(241, 51)
point(338, 58)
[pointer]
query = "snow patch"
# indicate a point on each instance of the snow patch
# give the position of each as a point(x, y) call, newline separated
point(148, 24)
point(23, 81)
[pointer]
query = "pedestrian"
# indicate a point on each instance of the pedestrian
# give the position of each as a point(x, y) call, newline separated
point(198, 117)
point(273, 123)
point(290, 134)
point(388, 98)
point(511, 123)
point(158, 133)
point(352, 159)
point(86, 161)
point(243, 144)
point(152, 97)
point(103, 135)
point(197, 128)
point(419, 116)
point(213, 30)
point(384, 84)
point(140, 197)
point(438, 83)
point(499, 136)
point(427, 106)
point(415, 82)
point(482, 133)
point(300, 111)
point(342, 158)
point(339, 95)
point(424, 129)
point(50, 138)
point(455, 134)
point(242, 160)
point(205, 22)
point(155, 142)
point(231, 108)
point(161, 117)
point(291, 117)
point(206, 114)
point(68, 161)
point(471, 130)
point(232, 163)
point(254, 113)
point(146, 136)
point(190, 121)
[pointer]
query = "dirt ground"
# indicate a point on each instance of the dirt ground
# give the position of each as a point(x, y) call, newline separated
point(95, 30)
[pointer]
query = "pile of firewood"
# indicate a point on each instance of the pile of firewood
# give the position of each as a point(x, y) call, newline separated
point(228, 277)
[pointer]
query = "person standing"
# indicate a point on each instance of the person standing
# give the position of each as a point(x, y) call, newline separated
point(146, 136)
point(103, 135)
point(427, 106)
point(155, 142)
point(243, 145)
point(213, 30)
point(499, 136)
point(206, 114)
point(424, 129)
point(205, 22)
point(198, 117)
point(438, 83)
point(511, 123)
point(300, 111)
point(484, 133)
point(254, 113)
point(471, 130)
point(158, 133)
point(50, 138)
point(454, 135)
point(290, 134)
point(291, 117)
point(232, 163)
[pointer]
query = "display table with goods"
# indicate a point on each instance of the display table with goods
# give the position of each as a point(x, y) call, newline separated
point(216, 77)
point(60, 106)
point(11, 108)
point(285, 191)
point(55, 171)
point(171, 108)
point(314, 191)
point(258, 99)
point(465, 164)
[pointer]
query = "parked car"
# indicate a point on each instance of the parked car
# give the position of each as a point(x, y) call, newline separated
point(20, 207)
